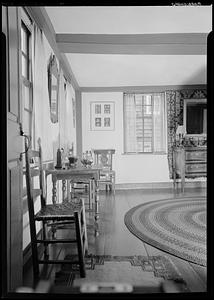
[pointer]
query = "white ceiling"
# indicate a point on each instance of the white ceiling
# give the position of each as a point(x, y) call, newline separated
point(130, 19)
point(97, 70)
point(137, 70)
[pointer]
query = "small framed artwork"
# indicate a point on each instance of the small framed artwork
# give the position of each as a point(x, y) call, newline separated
point(102, 115)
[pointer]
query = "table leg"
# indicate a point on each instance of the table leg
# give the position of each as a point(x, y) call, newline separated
point(96, 200)
point(63, 189)
point(182, 182)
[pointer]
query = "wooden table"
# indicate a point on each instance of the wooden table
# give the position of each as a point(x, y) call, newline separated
point(72, 175)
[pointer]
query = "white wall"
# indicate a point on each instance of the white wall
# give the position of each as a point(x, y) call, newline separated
point(54, 139)
point(141, 168)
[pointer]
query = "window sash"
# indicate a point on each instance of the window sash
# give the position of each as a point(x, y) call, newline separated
point(25, 51)
point(144, 123)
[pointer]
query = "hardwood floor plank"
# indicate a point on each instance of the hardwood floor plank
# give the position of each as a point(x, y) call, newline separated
point(119, 240)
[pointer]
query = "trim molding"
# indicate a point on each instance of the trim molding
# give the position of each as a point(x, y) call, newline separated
point(40, 16)
point(27, 254)
point(146, 89)
point(148, 44)
point(158, 185)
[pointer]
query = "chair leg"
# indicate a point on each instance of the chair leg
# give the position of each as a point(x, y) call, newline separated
point(113, 183)
point(85, 228)
point(80, 245)
point(44, 231)
point(34, 250)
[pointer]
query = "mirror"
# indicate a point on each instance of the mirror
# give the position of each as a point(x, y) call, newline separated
point(53, 88)
point(195, 116)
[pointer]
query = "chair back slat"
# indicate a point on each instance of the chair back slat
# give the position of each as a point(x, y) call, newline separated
point(103, 157)
point(33, 153)
point(34, 168)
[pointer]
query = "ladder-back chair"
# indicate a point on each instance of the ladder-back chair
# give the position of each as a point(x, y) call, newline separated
point(51, 214)
point(103, 159)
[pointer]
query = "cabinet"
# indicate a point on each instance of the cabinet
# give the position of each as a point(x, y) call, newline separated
point(189, 162)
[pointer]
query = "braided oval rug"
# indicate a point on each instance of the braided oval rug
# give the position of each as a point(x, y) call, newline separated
point(177, 226)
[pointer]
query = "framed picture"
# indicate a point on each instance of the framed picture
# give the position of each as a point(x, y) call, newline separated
point(102, 115)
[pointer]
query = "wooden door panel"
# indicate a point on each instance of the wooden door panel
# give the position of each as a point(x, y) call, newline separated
point(14, 140)
point(15, 242)
point(11, 24)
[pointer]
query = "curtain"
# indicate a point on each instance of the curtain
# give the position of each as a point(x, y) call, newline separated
point(42, 126)
point(159, 122)
point(130, 123)
point(174, 116)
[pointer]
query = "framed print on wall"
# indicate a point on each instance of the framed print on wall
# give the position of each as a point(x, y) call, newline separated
point(102, 115)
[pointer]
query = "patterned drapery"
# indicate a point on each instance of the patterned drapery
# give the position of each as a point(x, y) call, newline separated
point(175, 104)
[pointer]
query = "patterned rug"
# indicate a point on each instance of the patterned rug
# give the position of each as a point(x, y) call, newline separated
point(137, 270)
point(177, 226)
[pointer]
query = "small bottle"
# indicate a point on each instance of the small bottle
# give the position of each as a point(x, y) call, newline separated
point(59, 159)
point(63, 157)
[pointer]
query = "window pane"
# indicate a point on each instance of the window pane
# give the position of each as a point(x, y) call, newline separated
point(27, 122)
point(26, 97)
point(147, 100)
point(24, 67)
point(24, 41)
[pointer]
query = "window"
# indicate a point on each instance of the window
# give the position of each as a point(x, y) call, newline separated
point(26, 78)
point(144, 123)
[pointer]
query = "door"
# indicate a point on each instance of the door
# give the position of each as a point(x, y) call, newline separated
point(13, 205)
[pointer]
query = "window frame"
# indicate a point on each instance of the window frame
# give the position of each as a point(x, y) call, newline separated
point(26, 81)
point(164, 152)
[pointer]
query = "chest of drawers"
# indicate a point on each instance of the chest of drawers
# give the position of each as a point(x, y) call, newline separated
point(189, 162)
point(195, 161)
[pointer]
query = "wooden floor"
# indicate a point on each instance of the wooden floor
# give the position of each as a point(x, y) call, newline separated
point(114, 238)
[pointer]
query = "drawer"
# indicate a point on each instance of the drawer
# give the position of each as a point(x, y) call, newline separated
point(196, 168)
point(196, 155)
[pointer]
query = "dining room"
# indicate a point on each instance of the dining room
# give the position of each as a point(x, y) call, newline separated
point(107, 107)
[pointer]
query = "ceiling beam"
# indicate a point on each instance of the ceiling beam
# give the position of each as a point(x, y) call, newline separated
point(140, 89)
point(147, 44)
point(41, 18)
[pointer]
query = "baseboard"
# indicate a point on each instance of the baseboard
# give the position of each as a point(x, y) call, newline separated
point(159, 185)
point(27, 254)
